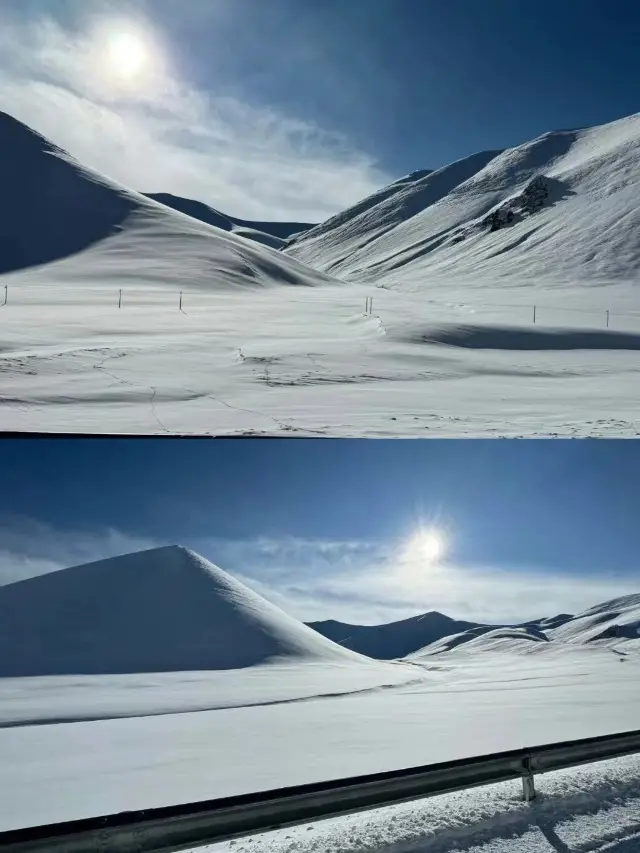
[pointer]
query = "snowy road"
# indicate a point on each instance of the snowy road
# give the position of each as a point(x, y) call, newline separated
point(307, 361)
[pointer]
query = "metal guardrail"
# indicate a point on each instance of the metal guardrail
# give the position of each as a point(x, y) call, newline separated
point(173, 828)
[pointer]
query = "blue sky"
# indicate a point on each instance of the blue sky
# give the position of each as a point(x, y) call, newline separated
point(297, 108)
point(324, 527)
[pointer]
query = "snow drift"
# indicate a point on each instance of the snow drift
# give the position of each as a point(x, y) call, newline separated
point(563, 206)
point(54, 209)
point(162, 610)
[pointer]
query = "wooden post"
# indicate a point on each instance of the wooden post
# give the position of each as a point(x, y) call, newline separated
point(180, 306)
point(607, 318)
point(119, 298)
point(528, 786)
point(534, 313)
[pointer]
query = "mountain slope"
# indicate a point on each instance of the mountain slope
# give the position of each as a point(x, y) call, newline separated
point(395, 639)
point(561, 207)
point(338, 243)
point(260, 231)
point(88, 228)
point(612, 623)
point(162, 610)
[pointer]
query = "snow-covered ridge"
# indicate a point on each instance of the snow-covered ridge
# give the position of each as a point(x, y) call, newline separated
point(59, 213)
point(613, 625)
point(167, 609)
point(562, 206)
point(274, 234)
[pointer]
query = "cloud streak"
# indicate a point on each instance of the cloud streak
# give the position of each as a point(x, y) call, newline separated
point(163, 134)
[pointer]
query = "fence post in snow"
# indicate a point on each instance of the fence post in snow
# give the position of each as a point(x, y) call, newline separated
point(607, 318)
point(528, 785)
point(180, 305)
point(6, 294)
point(534, 313)
point(119, 298)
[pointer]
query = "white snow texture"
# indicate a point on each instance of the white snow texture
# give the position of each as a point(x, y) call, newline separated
point(156, 678)
point(504, 286)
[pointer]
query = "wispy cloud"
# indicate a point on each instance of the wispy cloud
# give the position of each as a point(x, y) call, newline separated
point(163, 134)
point(369, 582)
point(352, 581)
point(29, 547)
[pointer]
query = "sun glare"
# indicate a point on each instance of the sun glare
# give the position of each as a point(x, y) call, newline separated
point(128, 54)
point(429, 545)
point(419, 563)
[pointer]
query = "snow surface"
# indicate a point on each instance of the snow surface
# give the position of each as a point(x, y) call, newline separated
point(162, 610)
point(450, 348)
point(473, 706)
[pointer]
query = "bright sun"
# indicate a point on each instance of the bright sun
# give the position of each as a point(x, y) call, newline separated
point(127, 54)
point(427, 546)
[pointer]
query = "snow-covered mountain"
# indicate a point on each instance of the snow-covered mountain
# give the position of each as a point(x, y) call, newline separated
point(433, 631)
point(76, 225)
point(611, 625)
point(274, 234)
point(394, 639)
point(561, 207)
point(162, 610)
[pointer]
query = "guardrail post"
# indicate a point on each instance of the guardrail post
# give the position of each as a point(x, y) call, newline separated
point(528, 785)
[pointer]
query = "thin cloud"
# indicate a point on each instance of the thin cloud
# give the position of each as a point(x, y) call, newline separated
point(162, 134)
point(29, 547)
point(369, 582)
point(361, 582)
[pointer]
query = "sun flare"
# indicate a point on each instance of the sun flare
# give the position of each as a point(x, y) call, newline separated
point(428, 545)
point(128, 54)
